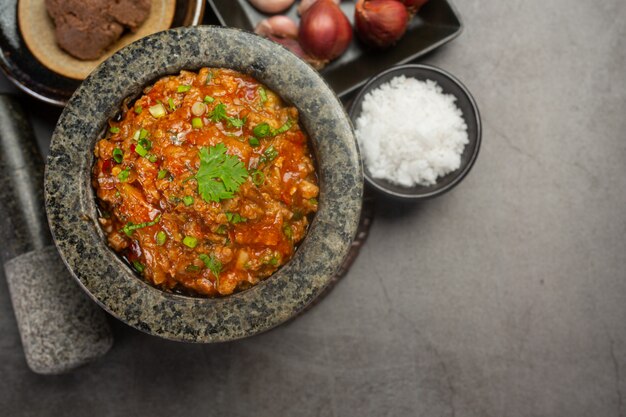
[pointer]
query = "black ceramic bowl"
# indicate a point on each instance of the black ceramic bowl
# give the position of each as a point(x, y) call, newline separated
point(71, 203)
point(464, 101)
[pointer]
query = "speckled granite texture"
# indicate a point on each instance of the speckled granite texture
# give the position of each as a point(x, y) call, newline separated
point(72, 211)
point(60, 327)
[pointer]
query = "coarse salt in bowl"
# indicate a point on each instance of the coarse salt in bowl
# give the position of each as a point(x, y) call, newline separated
point(419, 131)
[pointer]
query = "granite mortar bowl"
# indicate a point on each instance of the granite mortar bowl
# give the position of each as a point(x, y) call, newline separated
point(464, 101)
point(71, 202)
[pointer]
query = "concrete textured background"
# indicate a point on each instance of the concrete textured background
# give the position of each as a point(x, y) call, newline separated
point(505, 297)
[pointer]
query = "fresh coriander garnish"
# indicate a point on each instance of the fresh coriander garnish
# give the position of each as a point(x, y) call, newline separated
point(235, 122)
point(187, 200)
point(220, 175)
point(219, 113)
point(211, 262)
point(192, 268)
point(118, 155)
point(235, 218)
point(190, 241)
point(130, 227)
point(183, 88)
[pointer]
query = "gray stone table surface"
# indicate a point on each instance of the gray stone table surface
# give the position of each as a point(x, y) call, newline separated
point(505, 297)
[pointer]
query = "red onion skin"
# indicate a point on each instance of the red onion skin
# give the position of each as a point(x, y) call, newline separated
point(278, 26)
point(325, 32)
point(305, 4)
point(413, 6)
point(271, 6)
point(380, 23)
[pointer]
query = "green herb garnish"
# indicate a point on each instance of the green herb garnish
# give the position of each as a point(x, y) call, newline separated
point(254, 142)
point(258, 178)
point(143, 133)
point(187, 200)
point(157, 110)
point(270, 153)
point(139, 266)
point(183, 88)
point(263, 95)
point(118, 155)
point(114, 129)
point(138, 109)
point(161, 238)
point(196, 123)
point(123, 175)
point(190, 241)
point(162, 174)
point(130, 227)
point(235, 218)
point(213, 264)
point(221, 229)
point(192, 268)
point(208, 99)
point(170, 102)
point(288, 231)
point(220, 175)
point(262, 130)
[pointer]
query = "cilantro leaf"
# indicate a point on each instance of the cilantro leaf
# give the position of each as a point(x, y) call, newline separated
point(212, 263)
point(220, 175)
point(219, 113)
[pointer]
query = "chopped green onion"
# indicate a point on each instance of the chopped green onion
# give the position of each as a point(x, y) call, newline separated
point(162, 174)
point(288, 231)
point(174, 199)
point(190, 241)
point(258, 178)
point(136, 135)
point(146, 143)
point(123, 175)
point(209, 76)
point(118, 155)
point(138, 109)
point(262, 130)
point(183, 88)
point(271, 153)
point(208, 99)
point(114, 129)
point(254, 142)
point(130, 227)
point(196, 123)
point(313, 200)
point(192, 268)
point(139, 266)
point(143, 133)
point(161, 238)
point(141, 150)
point(188, 200)
point(263, 95)
point(221, 229)
point(157, 110)
point(152, 158)
point(283, 128)
point(170, 102)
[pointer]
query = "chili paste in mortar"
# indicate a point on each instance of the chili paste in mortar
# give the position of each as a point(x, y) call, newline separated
point(206, 183)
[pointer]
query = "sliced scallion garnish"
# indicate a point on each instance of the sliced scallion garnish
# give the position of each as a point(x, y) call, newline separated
point(157, 110)
point(183, 88)
point(161, 238)
point(196, 123)
point(118, 155)
point(114, 129)
point(123, 175)
point(190, 241)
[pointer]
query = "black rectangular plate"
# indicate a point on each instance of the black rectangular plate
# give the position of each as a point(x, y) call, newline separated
point(436, 23)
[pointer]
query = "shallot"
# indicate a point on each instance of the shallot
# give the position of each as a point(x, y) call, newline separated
point(325, 32)
point(271, 6)
point(380, 23)
point(305, 4)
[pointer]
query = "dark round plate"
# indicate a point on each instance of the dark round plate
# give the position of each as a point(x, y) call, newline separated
point(28, 74)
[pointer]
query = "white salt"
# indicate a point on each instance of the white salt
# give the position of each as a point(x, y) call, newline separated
point(410, 132)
